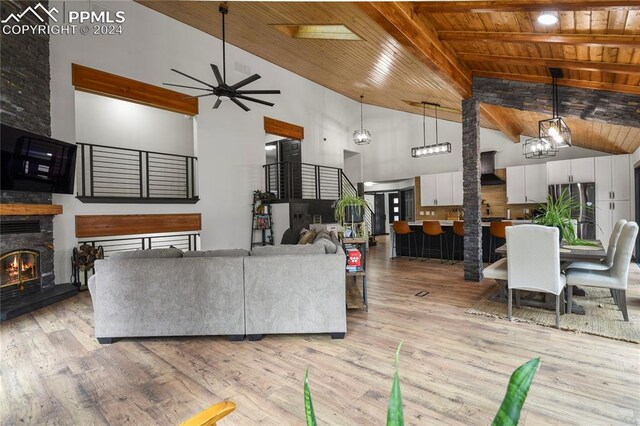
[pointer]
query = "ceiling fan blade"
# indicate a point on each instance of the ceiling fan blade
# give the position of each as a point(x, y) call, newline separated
point(259, 101)
point(240, 104)
point(200, 96)
point(217, 104)
point(258, 92)
point(192, 78)
point(187, 87)
point(246, 81)
point(216, 72)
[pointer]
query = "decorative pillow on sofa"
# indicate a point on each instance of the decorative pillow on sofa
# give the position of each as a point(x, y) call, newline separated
point(329, 247)
point(147, 254)
point(288, 249)
point(307, 237)
point(217, 253)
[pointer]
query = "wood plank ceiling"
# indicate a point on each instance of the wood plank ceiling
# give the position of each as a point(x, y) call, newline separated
point(595, 42)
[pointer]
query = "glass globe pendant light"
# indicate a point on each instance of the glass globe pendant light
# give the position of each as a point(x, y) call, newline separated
point(362, 135)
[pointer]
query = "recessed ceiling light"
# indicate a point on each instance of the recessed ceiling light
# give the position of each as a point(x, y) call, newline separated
point(547, 18)
point(369, 183)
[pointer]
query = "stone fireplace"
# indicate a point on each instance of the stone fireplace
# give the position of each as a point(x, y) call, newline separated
point(26, 248)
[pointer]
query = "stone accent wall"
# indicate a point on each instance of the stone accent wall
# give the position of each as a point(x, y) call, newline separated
point(41, 241)
point(597, 105)
point(471, 183)
point(24, 74)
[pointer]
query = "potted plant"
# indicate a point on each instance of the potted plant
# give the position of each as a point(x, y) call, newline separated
point(557, 212)
point(350, 209)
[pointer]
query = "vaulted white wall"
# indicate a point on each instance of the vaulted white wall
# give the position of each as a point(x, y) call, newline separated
point(230, 142)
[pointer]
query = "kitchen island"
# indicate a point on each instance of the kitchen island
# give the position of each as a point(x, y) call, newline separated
point(402, 248)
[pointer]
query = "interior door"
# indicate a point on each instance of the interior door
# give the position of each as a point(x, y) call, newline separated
point(291, 155)
point(379, 226)
point(408, 206)
point(394, 207)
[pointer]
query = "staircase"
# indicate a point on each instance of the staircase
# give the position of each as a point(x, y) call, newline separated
point(303, 181)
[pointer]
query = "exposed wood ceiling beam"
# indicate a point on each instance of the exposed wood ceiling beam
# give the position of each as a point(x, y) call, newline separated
point(552, 63)
point(421, 39)
point(583, 84)
point(613, 40)
point(522, 6)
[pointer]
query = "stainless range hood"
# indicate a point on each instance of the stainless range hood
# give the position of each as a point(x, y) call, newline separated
point(487, 169)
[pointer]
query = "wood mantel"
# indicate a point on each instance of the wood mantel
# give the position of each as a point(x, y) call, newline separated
point(30, 209)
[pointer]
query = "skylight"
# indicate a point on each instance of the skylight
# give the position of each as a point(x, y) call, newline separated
point(321, 32)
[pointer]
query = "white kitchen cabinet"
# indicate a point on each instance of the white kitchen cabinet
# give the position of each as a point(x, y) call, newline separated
point(444, 189)
point(439, 189)
point(607, 214)
point(613, 178)
point(515, 185)
point(571, 171)
point(527, 184)
point(428, 190)
point(535, 183)
point(458, 192)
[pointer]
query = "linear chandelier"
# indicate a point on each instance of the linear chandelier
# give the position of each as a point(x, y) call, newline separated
point(554, 129)
point(433, 149)
point(361, 136)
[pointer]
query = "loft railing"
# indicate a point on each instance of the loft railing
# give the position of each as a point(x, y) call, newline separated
point(185, 242)
point(303, 181)
point(110, 174)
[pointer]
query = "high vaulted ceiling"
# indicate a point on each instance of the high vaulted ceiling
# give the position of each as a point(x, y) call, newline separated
point(430, 51)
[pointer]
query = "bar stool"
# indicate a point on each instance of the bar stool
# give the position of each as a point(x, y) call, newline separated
point(496, 230)
point(458, 233)
point(432, 228)
point(401, 227)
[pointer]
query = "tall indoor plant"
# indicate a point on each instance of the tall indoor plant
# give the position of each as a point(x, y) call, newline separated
point(349, 209)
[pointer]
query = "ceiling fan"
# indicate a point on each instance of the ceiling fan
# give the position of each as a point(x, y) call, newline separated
point(224, 91)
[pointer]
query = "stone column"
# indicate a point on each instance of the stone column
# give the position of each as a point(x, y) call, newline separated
point(471, 183)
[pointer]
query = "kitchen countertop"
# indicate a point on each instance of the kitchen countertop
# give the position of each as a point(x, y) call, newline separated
point(450, 222)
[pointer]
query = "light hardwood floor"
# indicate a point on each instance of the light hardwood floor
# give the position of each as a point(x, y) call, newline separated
point(454, 367)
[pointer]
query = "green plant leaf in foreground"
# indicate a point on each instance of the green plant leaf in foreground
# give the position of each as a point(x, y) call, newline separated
point(521, 379)
point(308, 405)
point(395, 416)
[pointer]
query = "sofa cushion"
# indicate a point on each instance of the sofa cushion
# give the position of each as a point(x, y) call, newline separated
point(217, 253)
point(147, 254)
point(288, 249)
point(329, 247)
point(307, 237)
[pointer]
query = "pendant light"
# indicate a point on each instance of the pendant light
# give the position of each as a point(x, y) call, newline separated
point(555, 130)
point(362, 135)
point(434, 149)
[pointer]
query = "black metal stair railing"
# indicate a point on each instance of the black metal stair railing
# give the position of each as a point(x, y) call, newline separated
point(350, 190)
point(111, 174)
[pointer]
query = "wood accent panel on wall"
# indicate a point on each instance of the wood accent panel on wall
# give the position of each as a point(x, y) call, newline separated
point(131, 224)
point(30, 209)
point(282, 128)
point(103, 83)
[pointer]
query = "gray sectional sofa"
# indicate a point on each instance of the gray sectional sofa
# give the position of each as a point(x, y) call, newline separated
point(273, 290)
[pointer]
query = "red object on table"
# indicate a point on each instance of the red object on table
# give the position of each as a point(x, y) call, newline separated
point(354, 257)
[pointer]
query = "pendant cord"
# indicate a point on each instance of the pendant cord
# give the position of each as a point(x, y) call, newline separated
point(424, 125)
point(555, 97)
point(361, 121)
point(437, 140)
point(224, 61)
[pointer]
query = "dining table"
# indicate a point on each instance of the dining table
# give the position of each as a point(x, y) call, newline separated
point(594, 252)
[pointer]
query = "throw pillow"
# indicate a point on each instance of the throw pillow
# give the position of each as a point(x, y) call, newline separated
point(329, 247)
point(147, 254)
point(217, 253)
point(307, 238)
point(288, 249)
point(334, 238)
point(323, 233)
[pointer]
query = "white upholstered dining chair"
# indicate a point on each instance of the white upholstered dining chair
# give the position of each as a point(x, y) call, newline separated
point(615, 278)
point(611, 251)
point(533, 262)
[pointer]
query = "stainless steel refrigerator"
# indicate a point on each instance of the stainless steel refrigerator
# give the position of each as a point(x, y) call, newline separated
point(583, 194)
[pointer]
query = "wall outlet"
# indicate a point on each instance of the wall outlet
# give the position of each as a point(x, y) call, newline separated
point(421, 213)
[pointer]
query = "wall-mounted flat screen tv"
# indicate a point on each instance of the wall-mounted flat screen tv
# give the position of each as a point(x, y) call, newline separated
point(36, 163)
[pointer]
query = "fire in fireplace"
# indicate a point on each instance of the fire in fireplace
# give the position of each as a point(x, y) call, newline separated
point(19, 267)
